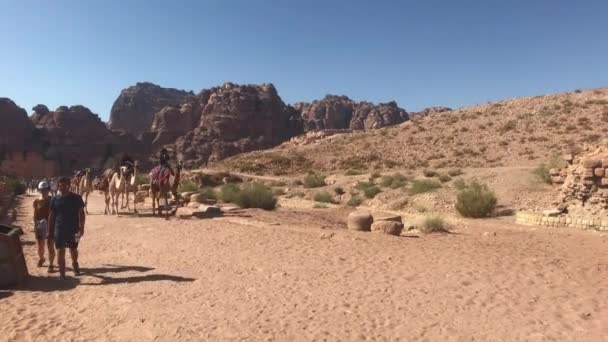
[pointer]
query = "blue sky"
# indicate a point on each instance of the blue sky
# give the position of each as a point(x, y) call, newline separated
point(418, 53)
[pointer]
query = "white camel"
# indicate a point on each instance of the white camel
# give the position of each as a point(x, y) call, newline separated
point(130, 186)
point(85, 186)
point(116, 188)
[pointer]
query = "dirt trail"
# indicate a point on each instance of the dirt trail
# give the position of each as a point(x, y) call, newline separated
point(280, 276)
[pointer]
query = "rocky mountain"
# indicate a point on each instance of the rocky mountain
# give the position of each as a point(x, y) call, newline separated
point(236, 119)
point(134, 109)
point(521, 132)
point(340, 112)
point(16, 128)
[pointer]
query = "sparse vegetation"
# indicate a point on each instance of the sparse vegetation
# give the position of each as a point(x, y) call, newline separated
point(298, 194)
point(229, 193)
point(444, 178)
point(319, 206)
point(187, 186)
point(429, 173)
point(256, 195)
point(459, 184)
point(434, 224)
point(476, 201)
point(15, 186)
point(354, 201)
point(314, 181)
point(423, 185)
point(454, 172)
point(339, 191)
point(209, 192)
point(394, 181)
point(324, 197)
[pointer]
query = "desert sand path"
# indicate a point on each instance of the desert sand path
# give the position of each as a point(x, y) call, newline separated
point(296, 275)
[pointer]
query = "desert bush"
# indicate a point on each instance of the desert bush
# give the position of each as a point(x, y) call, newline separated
point(542, 173)
point(354, 201)
point(279, 183)
point(339, 191)
point(454, 172)
point(319, 206)
point(508, 126)
point(323, 197)
point(187, 186)
point(444, 178)
point(434, 224)
point(429, 173)
point(142, 179)
point(476, 201)
point(229, 193)
point(375, 175)
point(420, 186)
point(372, 191)
point(459, 184)
point(314, 181)
point(256, 195)
point(394, 181)
point(209, 192)
point(15, 186)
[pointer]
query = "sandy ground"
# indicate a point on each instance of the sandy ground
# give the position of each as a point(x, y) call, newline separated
point(298, 275)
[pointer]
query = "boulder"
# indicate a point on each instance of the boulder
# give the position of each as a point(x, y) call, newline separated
point(360, 221)
point(387, 227)
point(210, 208)
point(184, 212)
point(198, 198)
point(590, 163)
point(387, 217)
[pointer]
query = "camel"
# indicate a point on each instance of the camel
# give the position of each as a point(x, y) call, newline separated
point(85, 187)
point(130, 185)
point(116, 187)
point(163, 189)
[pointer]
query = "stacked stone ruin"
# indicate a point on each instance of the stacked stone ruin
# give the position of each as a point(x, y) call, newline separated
point(584, 183)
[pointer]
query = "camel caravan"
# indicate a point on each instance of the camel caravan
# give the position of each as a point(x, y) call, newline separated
point(121, 183)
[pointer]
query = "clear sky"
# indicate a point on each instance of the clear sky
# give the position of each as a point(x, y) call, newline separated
point(418, 53)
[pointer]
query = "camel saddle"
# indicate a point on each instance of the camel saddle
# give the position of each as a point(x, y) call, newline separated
point(161, 174)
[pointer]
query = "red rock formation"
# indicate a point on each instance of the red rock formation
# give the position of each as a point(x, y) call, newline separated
point(134, 110)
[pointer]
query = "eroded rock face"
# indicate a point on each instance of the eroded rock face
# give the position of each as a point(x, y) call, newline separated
point(236, 119)
point(15, 129)
point(340, 112)
point(134, 110)
point(70, 125)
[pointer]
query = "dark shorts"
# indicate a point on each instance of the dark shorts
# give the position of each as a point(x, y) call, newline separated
point(66, 242)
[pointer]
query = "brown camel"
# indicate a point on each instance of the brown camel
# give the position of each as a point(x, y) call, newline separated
point(162, 189)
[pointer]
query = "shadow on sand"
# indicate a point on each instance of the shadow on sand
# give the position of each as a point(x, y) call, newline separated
point(5, 294)
point(106, 280)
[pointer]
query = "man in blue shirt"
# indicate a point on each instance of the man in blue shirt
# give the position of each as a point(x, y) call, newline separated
point(66, 224)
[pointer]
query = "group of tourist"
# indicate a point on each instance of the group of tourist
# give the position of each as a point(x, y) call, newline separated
point(58, 224)
point(59, 218)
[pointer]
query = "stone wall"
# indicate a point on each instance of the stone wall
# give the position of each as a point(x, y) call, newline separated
point(539, 219)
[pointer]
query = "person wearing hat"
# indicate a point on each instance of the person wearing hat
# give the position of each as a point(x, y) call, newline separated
point(66, 224)
point(41, 214)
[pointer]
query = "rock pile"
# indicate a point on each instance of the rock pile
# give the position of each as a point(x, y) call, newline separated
point(312, 137)
point(584, 183)
point(379, 222)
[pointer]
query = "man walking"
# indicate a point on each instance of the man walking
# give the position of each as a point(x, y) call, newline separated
point(66, 224)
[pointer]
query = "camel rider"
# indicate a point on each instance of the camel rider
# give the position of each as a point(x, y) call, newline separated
point(164, 158)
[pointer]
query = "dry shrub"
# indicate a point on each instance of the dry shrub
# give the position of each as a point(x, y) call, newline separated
point(476, 201)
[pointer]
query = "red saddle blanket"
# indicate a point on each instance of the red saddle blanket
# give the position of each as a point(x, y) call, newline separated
point(160, 174)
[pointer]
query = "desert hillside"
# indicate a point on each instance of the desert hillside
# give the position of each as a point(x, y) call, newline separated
point(516, 132)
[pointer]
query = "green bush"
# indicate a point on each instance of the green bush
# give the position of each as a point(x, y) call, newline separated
point(476, 201)
point(364, 185)
point(187, 186)
point(314, 181)
point(420, 186)
point(209, 192)
point(394, 181)
point(256, 195)
point(323, 197)
point(229, 193)
point(354, 201)
point(542, 173)
point(372, 191)
point(434, 224)
point(15, 186)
